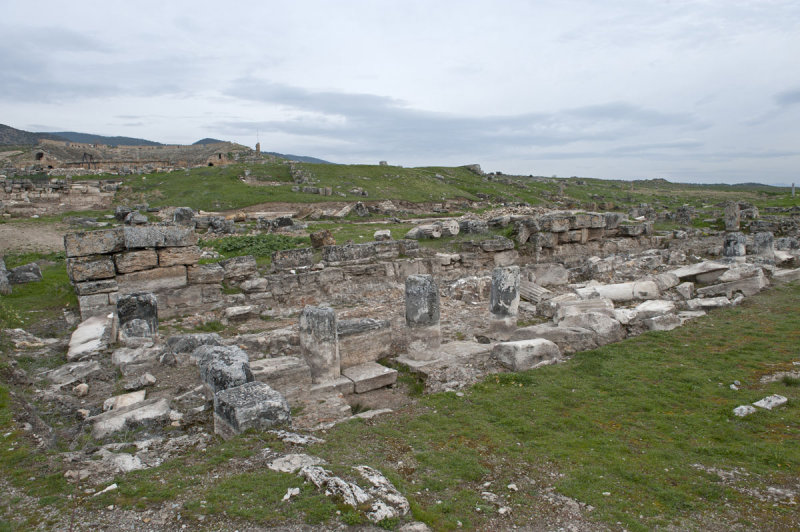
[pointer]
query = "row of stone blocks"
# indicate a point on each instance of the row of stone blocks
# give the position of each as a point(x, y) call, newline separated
point(551, 230)
point(346, 254)
point(162, 259)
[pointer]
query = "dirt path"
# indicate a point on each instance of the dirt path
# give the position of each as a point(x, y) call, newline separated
point(23, 237)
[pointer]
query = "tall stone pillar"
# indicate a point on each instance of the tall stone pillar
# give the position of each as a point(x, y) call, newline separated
point(732, 216)
point(504, 301)
point(424, 334)
point(319, 343)
point(735, 245)
point(764, 245)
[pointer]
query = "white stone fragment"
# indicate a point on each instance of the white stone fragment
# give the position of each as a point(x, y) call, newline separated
point(771, 401)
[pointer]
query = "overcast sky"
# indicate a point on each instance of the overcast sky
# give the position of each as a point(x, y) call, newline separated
point(701, 91)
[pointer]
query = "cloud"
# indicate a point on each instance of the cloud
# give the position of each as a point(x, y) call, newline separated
point(787, 98)
point(390, 125)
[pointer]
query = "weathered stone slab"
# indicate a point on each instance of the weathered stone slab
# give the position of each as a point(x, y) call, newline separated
point(653, 308)
point(691, 271)
point(152, 280)
point(253, 405)
point(138, 315)
point(108, 423)
point(363, 340)
point(90, 268)
point(90, 337)
point(608, 329)
point(370, 376)
point(786, 276)
point(158, 236)
point(764, 245)
point(422, 301)
point(522, 355)
point(504, 293)
point(569, 339)
point(749, 287)
point(124, 400)
point(134, 261)
point(287, 259)
point(499, 243)
point(103, 286)
point(222, 367)
point(178, 255)
point(548, 274)
point(291, 376)
point(27, 273)
point(184, 345)
point(665, 322)
point(95, 305)
point(707, 303)
point(205, 274)
point(572, 308)
point(239, 268)
point(771, 401)
point(735, 245)
point(73, 372)
point(94, 242)
point(319, 343)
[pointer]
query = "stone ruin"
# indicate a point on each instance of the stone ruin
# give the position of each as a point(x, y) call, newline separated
point(326, 330)
point(22, 197)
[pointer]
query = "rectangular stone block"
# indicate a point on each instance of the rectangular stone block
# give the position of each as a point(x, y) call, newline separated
point(178, 255)
point(205, 274)
point(134, 261)
point(292, 258)
point(370, 376)
point(250, 406)
point(152, 280)
point(90, 268)
point(102, 286)
point(158, 236)
point(291, 376)
point(364, 346)
point(94, 242)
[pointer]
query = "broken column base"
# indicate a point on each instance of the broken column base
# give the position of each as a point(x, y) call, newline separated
point(501, 328)
point(250, 406)
point(423, 342)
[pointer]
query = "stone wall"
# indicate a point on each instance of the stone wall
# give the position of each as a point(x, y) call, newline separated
point(162, 259)
point(26, 197)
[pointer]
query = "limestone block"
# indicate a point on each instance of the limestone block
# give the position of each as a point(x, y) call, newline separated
point(27, 273)
point(732, 216)
point(608, 329)
point(322, 238)
point(253, 405)
point(158, 236)
point(763, 245)
point(381, 235)
point(240, 313)
point(184, 345)
point(363, 340)
point(735, 245)
point(94, 305)
point(655, 307)
point(665, 281)
point(292, 258)
point(786, 276)
point(90, 337)
point(170, 301)
point(289, 375)
point(504, 293)
point(90, 268)
point(771, 401)
point(749, 286)
point(94, 242)
point(319, 343)
point(205, 274)
point(554, 223)
point(707, 303)
point(183, 216)
point(522, 355)
point(96, 287)
point(422, 301)
point(499, 243)
point(178, 255)
point(572, 308)
point(134, 261)
point(666, 322)
point(152, 280)
point(108, 423)
point(259, 284)
point(121, 401)
point(239, 268)
point(549, 274)
point(473, 226)
point(613, 219)
point(138, 315)
point(685, 290)
point(222, 367)
point(370, 376)
point(692, 271)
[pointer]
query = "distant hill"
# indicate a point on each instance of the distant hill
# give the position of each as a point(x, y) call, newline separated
point(10, 136)
point(298, 158)
point(207, 141)
point(88, 138)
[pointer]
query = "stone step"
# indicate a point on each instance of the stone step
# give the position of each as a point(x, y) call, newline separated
point(291, 376)
point(370, 376)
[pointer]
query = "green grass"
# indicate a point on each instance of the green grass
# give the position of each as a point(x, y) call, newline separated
point(33, 305)
point(629, 419)
point(259, 246)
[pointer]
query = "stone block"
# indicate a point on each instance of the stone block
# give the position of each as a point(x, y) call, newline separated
point(707, 303)
point(222, 367)
point(499, 243)
point(549, 274)
point(523, 355)
point(152, 280)
point(749, 287)
point(158, 236)
point(184, 345)
point(735, 245)
point(319, 343)
point(666, 322)
point(655, 307)
point(138, 315)
point(152, 410)
point(504, 292)
point(205, 274)
point(322, 238)
point(90, 268)
point(607, 329)
point(90, 337)
point(771, 401)
point(370, 376)
point(134, 261)
point(5, 286)
point(250, 406)
point(554, 223)
point(291, 376)
point(27, 273)
point(96, 287)
point(94, 305)
point(178, 255)
point(422, 301)
point(287, 259)
point(239, 268)
point(363, 340)
point(94, 242)
point(573, 308)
